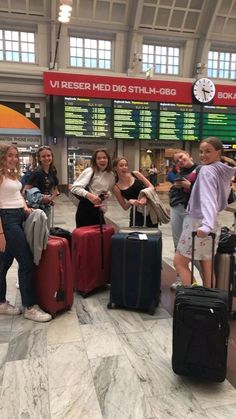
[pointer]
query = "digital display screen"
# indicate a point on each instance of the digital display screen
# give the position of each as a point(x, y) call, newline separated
point(219, 121)
point(179, 122)
point(88, 117)
point(135, 120)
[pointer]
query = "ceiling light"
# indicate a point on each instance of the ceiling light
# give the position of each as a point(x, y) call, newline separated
point(63, 19)
point(66, 14)
point(65, 8)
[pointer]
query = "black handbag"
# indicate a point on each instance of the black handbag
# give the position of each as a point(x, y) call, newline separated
point(227, 242)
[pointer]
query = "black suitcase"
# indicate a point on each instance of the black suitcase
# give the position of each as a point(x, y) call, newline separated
point(200, 331)
point(136, 271)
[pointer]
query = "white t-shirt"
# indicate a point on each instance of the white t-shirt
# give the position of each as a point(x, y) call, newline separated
point(10, 194)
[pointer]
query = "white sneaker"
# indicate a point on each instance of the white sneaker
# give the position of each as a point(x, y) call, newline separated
point(36, 314)
point(176, 284)
point(7, 308)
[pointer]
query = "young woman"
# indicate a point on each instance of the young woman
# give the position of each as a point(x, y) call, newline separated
point(45, 178)
point(208, 197)
point(13, 244)
point(179, 195)
point(93, 186)
point(153, 174)
point(127, 189)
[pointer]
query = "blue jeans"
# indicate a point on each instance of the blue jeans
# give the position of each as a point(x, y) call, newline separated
point(177, 215)
point(18, 248)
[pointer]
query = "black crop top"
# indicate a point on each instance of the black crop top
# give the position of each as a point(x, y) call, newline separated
point(133, 191)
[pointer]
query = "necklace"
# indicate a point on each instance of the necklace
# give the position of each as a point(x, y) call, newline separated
point(12, 171)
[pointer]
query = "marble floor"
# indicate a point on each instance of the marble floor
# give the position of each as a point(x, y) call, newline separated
point(94, 363)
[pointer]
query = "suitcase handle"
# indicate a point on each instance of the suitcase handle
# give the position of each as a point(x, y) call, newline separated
point(134, 235)
point(213, 235)
point(144, 216)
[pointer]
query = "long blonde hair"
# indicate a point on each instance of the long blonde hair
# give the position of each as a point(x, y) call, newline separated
point(4, 148)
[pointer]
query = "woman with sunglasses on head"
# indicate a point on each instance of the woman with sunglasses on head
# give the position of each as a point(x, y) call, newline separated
point(44, 177)
point(93, 187)
point(13, 244)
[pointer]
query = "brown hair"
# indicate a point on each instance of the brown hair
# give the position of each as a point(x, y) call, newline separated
point(94, 159)
point(4, 148)
point(217, 144)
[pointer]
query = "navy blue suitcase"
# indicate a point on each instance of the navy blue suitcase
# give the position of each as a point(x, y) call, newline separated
point(136, 271)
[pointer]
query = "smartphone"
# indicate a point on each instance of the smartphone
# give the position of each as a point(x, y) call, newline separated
point(179, 179)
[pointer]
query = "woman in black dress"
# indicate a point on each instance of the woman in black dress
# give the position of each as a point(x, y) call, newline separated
point(127, 188)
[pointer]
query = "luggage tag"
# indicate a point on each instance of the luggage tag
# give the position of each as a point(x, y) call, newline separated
point(60, 295)
point(142, 236)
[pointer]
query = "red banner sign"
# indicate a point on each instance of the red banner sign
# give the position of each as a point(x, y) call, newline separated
point(82, 85)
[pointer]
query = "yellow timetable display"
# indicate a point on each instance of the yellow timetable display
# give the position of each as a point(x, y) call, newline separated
point(178, 121)
point(134, 120)
point(88, 117)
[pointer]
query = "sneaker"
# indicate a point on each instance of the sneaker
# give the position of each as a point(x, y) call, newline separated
point(36, 314)
point(7, 308)
point(176, 284)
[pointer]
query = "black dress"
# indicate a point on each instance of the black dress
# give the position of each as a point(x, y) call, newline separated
point(132, 193)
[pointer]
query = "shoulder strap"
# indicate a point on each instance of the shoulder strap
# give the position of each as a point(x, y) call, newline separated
point(90, 180)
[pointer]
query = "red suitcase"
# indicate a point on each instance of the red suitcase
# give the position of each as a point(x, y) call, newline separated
point(53, 277)
point(91, 257)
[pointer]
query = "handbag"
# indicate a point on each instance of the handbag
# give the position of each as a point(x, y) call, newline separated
point(227, 241)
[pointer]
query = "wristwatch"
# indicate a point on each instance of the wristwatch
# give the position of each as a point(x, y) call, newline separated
point(204, 90)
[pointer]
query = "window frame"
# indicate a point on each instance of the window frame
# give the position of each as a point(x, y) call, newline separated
point(218, 67)
point(165, 60)
point(20, 41)
point(90, 38)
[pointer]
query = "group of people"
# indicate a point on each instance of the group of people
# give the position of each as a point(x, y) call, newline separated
point(198, 194)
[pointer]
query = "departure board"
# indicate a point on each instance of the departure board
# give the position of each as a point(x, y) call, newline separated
point(135, 120)
point(179, 121)
point(88, 117)
point(219, 121)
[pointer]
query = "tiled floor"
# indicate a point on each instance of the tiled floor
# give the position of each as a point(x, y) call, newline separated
point(94, 363)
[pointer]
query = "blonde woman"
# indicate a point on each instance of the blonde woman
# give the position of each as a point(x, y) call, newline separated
point(13, 244)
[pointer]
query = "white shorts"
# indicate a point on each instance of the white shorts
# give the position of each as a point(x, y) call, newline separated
point(203, 246)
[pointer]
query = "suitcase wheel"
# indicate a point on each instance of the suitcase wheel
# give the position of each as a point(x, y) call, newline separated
point(109, 305)
point(152, 309)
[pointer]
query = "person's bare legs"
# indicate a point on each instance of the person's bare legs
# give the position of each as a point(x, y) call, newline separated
point(206, 273)
point(181, 264)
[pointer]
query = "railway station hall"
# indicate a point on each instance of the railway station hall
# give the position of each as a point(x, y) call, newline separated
point(97, 98)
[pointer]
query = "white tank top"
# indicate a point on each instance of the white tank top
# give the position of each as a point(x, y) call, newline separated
point(10, 195)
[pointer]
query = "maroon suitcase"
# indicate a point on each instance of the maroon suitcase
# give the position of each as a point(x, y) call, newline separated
point(53, 277)
point(91, 257)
